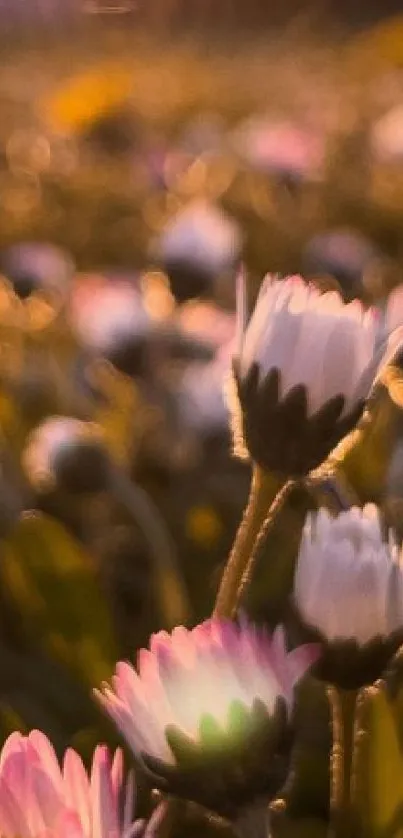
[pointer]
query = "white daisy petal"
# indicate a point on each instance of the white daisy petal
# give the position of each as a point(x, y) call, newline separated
point(315, 340)
point(343, 580)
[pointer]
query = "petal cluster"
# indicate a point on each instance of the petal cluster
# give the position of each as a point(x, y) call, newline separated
point(311, 339)
point(349, 580)
point(38, 799)
point(191, 674)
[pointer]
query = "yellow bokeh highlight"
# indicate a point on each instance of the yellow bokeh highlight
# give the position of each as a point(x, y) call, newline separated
point(87, 96)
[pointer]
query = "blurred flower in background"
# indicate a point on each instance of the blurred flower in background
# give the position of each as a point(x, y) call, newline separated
point(111, 321)
point(196, 247)
point(281, 149)
point(344, 254)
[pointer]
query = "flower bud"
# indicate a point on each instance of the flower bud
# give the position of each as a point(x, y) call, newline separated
point(348, 592)
point(304, 366)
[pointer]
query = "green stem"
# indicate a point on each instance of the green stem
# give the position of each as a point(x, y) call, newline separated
point(343, 706)
point(264, 488)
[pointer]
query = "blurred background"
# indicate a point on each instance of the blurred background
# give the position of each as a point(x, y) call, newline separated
point(147, 150)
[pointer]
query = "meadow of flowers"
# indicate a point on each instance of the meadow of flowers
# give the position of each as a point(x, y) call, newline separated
point(201, 453)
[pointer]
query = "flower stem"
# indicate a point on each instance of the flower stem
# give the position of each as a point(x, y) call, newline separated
point(264, 488)
point(343, 707)
point(268, 524)
point(164, 819)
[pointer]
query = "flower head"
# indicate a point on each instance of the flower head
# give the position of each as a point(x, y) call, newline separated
point(208, 707)
point(349, 589)
point(304, 366)
point(40, 799)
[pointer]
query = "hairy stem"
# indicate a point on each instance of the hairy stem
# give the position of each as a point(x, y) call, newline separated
point(264, 488)
point(343, 707)
point(268, 524)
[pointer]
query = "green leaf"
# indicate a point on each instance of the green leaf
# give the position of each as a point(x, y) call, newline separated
point(377, 785)
point(53, 584)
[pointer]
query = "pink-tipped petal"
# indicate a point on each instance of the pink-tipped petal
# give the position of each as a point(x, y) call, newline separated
point(129, 800)
point(46, 754)
point(77, 788)
point(301, 659)
point(200, 672)
point(104, 815)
